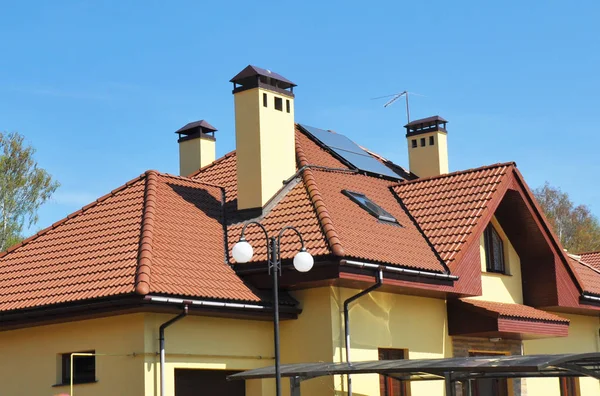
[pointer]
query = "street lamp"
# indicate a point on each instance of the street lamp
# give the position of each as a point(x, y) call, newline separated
point(242, 253)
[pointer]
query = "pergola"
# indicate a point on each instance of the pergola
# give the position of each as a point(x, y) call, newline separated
point(461, 369)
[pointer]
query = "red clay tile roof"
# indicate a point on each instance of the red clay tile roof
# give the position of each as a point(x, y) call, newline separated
point(362, 235)
point(172, 224)
point(514, 311)
point(294, 209)
point(591, 258)
point(328, 220)
point(165, 234)
point(448, 207)
point(587, 274)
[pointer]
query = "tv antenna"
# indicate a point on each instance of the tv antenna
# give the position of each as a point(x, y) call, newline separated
point(395, 97)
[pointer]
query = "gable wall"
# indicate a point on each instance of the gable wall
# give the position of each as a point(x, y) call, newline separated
point(505, 288)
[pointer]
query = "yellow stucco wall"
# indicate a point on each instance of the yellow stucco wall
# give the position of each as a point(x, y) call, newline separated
point(386, 320)
point(505, 288)
point(195, 154)
point(309, 338)
point(428, 160)
point(583, 338)
point(377, 320)
point(265, 146)
point(197, 342)
point(30, 358)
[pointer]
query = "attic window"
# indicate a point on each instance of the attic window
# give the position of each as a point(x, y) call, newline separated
point(370, 206)
point(494, 250)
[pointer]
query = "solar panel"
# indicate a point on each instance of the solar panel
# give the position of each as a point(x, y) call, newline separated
point(350, 151)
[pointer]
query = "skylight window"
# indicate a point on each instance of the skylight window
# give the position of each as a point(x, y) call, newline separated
point(370, 206)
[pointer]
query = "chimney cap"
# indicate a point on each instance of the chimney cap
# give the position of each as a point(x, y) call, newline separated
point(428, 120)
point(424, 125)
point(254, 71)
point(193, 127)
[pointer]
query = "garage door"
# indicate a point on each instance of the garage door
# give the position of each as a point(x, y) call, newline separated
point(207, 382)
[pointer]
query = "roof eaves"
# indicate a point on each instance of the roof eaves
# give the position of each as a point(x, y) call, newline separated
point(316, 198)
point(72, 215)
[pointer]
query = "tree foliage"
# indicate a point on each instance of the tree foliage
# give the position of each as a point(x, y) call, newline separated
point(577, 228)
point(23, 188)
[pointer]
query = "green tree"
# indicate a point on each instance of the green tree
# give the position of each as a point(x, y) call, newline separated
point(577, 228)
point(23, 188)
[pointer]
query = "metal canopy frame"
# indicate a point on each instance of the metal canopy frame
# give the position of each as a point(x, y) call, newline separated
point(451, 370)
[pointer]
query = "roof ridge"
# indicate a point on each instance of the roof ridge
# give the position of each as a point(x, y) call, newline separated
point(185, 178)
point(316, 198)
point(214, 163)
point(73, 214)
point(455, 173)
point(592, 252)
point(144, 265)
point(584, 263)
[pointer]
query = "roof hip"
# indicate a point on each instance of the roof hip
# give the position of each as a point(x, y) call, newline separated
point(144, 266)
point(319, 204)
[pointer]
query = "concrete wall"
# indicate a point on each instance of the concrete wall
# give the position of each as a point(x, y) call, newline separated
point(31, 364)
point(583, 338)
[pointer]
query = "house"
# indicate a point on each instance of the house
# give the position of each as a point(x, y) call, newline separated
point(464, 263)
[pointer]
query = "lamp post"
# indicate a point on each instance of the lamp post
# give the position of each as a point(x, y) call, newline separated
point(242, 253)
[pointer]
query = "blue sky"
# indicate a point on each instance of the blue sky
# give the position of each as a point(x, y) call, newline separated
point(99, 87)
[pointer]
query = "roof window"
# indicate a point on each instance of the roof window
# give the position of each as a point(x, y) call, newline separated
point(370, 206)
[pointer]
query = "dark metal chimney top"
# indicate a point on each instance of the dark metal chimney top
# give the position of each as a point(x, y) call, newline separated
point(425, 125)
point(196, 129)
point(253, 77)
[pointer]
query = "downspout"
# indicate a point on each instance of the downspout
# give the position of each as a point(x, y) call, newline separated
point(161, 338)
point(347, 320)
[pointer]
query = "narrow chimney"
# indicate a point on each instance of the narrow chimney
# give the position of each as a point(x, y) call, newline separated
point(427, 146)
point(196, 146)
point(264, 135)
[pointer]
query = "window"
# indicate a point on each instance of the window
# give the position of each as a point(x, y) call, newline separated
point(287, 105)
point(390, 386)
point(431, 140)
point(370, 206)
point(278, 104)
point(84, 368)
point(422, 142)
point(569, 386)
point(490, 386)
point(414, 143)
point(264, 99)
point(494, 250)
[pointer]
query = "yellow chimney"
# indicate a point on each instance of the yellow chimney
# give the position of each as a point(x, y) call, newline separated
point(427, 146)
point(196, 146)
point(264, 134)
